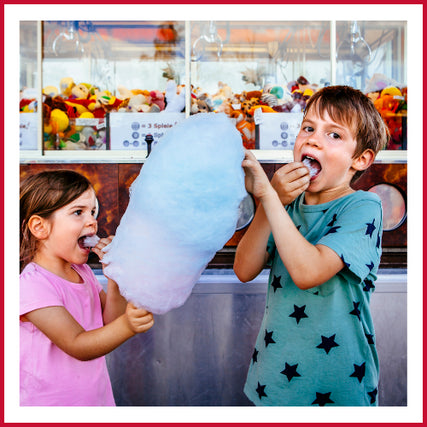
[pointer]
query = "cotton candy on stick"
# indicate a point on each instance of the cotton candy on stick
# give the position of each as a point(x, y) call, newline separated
point(183, 208)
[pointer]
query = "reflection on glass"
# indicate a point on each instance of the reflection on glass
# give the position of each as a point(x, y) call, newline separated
point(93, 68)
point(28, 97)
point(394, 206)
point(239, 68)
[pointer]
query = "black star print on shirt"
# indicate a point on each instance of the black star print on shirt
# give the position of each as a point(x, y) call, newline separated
point(378, 241)
point(370, 228)
point(255, 356)
point(275, 283)
point(328, 343)
point(356, 311)
point(322, 399)
point(368, 285)
point(268, 338)
point(290, 371)
point(260, 390)
point(373, 395)
point(298, 313)
point(333, 230)
point(359, 371)
point(370, 266)
point(370, 338)
point(334, 218)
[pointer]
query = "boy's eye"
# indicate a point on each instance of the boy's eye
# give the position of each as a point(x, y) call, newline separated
point(334, 135)
point(93, 212)
point(78, 212)
point(308, 129)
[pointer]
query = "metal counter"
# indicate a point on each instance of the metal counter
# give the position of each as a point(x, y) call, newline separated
point(198, 354)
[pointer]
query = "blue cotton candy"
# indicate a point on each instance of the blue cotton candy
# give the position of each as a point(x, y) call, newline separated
point(183, 208)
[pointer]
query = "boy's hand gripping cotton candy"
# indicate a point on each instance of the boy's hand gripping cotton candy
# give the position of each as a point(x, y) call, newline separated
point(183, 208)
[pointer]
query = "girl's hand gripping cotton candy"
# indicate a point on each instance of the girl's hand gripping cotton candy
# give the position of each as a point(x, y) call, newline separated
point(183, 208)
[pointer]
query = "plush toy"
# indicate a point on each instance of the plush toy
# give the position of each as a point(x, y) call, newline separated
point(175, 101)
point(224, 94)
point(65, 86)
point(104, 102)
point(28, 105)
point(245, 127)
point(203, 106)
point(158, 98)
point(51, 91)
point(81, 91)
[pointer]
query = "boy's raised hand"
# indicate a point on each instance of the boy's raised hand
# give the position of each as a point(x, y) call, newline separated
point(256, 181)
point(290, 181)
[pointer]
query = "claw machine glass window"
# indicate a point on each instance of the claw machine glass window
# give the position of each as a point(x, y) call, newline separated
point(28, 97)
point(371, 56)
point(99, 77)
point(250, 69)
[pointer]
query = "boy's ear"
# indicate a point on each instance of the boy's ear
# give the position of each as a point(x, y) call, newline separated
point(365, 160)
point(39, 227)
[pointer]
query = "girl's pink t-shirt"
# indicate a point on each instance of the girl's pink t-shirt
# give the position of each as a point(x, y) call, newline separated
point(49, 376)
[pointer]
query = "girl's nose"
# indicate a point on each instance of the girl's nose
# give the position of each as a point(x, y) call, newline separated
point(92, 221)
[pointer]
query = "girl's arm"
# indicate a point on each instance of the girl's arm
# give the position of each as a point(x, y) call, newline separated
point(64, 331)
point(308, 265)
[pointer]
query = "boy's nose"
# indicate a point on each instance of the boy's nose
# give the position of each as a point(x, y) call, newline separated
point(312, 140)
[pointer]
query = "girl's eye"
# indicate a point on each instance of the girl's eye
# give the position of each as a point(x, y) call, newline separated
point(93, 212)
point(78, 212)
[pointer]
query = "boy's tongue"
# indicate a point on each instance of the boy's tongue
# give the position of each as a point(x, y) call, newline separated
point(312, 165)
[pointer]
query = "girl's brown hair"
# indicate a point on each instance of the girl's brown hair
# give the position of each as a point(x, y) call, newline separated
point(354, 109)
point(42, 194)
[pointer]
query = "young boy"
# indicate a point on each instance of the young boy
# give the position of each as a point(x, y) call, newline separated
point(316, 344)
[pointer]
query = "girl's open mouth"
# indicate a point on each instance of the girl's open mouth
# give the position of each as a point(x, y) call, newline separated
point(88, 242)
point(313, 166)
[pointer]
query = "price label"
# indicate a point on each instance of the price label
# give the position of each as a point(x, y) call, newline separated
point(129, 131)
point(28, 131)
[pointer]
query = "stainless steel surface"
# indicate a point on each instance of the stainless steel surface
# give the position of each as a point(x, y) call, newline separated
point(198, 354)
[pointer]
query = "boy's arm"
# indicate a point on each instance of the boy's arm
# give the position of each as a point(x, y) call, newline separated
point(64, 331)
point(251, 254)
point(307, 264)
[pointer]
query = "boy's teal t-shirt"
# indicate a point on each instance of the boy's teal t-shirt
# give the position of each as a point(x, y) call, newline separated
point(316, 347)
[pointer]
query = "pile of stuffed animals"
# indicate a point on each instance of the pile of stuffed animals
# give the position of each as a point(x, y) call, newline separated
point(392, 104)
point(61, 106)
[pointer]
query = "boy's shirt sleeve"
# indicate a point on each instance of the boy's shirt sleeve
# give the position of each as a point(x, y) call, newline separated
point(355, 234)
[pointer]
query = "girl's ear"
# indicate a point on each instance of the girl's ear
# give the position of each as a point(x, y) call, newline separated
point(365, 160)
point(39, 227)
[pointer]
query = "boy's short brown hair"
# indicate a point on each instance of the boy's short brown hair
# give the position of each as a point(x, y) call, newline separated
point(352, 108)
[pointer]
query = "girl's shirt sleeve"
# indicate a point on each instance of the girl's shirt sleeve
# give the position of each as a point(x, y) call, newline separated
point(36, 291)
point(354, 233)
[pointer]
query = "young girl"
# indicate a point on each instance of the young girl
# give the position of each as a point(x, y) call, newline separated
point(316, 344)
point(67, 322)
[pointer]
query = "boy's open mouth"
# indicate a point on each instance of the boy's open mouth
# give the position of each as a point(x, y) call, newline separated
point(313, 166)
